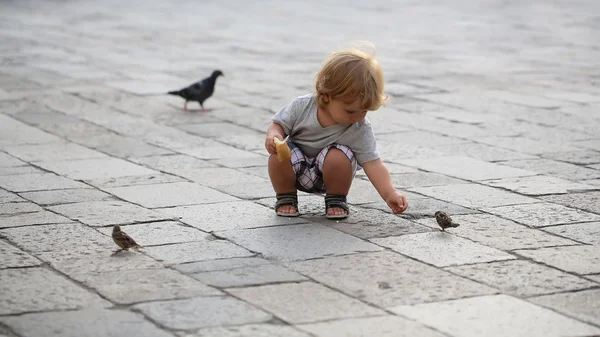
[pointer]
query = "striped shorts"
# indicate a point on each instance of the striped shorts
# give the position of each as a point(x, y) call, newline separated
point(309, 171)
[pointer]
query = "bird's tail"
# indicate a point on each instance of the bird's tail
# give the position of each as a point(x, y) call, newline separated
point(174, 92)
point(454, 224)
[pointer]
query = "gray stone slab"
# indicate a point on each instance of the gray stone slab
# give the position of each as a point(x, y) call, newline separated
point(133, 286)
point(104, 213)
point(466, 168)
point(589, 201)
point(6, 196)
point(67, 196)
point(584, 232)
point(150, 179)
point(229, 216)
point(481, 152)
point(7, 171)
point(595, 278)
point(168, 195)
point(13, 132)
point(160, 233)
point(236, 163)
point(575, 157)
point(363, 192)
point(528, 146)
point(219, 265)
point(420, 178)
point(575, 259)
point(7, 160)
point(542, 214)
point(37, 182)
point(426, 247)
point(522, 278)
point(84, 323)
point(384, 326)
point(18, 208)
point(46, 238)
point(219, 151)
point(251, 330)
point(473, 195)
point(172, 163)
point(249, 189)
point(500, 233)
point(120, 146)
point(52, 151)
point(38, 289)
point(95, 168)
point(424, 207)
point(13, 257)
point(192, 313)
point(220, 177)
point(30, 219)
point(555, 168)
point(583, 305)
point(498, 315)
point(249, 276)
point(374, 278)
point(289, 302)
point(540, 185)
point(298, 242)
point(196, 251)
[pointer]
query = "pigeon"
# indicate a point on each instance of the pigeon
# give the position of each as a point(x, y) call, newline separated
point(199, 91)
point(122, 239)
point(444, 220)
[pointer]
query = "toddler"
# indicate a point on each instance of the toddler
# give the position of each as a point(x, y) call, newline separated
point(331, 138)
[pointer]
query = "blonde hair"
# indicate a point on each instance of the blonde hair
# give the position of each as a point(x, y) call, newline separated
point(351, 74)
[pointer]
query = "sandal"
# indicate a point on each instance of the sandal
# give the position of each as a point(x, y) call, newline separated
point(287, 199)
point(336, 201)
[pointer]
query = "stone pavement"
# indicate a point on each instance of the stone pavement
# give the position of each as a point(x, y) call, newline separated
point(494, 117)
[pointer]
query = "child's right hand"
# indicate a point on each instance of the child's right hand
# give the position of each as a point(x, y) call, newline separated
point(270, 143)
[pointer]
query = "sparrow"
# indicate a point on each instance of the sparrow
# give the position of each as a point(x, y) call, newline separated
point(123, 240)
point(444, 220)
point(199, 91)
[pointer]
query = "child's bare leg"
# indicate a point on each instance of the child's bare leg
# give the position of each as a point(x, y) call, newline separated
point(283, 180)
point(337, 176)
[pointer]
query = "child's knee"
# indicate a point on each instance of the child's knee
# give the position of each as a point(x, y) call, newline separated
point(337, 157)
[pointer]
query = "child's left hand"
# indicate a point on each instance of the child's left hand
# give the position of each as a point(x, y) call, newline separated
point(397, 202)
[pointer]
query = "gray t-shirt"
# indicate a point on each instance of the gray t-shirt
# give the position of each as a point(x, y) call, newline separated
point(299, 120)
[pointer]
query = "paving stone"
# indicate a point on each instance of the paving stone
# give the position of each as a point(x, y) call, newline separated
point(482, 152)
point(416, 179)
point(37, 182)
point(160, 233)
point(7, 171)
point(522, 278)
point(196, 251)
point(30, 219)
point(384, 326)
point(539, 185)
point(221, 177)
point(497, 315)
point(583, 305)
point(426, 247)
point(168, 195)
point(52, 151)
point(473, 195)
point(172, 163)
point(249, 276)
point(150, 179)
point(6, 197)
point(424, 207)
point(132, 286)
point(218, 152)
point(47, 238)
point(297, 242)
point(575, 259)
point(84, 323)
point(456, 166)
point(589, 201)
point(555, 168)
point(249, 189)
point(374, 278)
point(593, 144)
point(219, 265)
point(363, 192)
point(287, 301)
point(595, 166)
point(364, 227)
point(67, 196)
point(188, 314)
point(95, 168)
point(37, 289)
point(542, 214)
point(13, 257)
point(104, 213)
point(529, 146)
point(7, 160)
point(120, 146)
point(584, 232)
point(228, 216)
point(18, 208)
point(13, 132)
point(500, 233)
point(251, 330)
point(575, 157)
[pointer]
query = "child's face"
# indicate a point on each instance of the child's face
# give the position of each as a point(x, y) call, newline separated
point(346, 113)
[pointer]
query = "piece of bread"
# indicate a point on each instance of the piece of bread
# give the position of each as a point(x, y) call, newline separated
point(283, 151)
